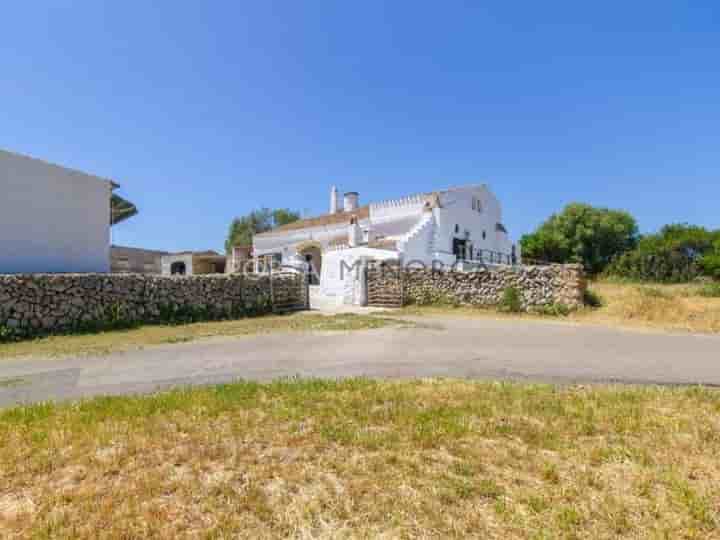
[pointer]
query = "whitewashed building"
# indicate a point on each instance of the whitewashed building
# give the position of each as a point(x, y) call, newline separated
point(55, 219)
point(457, 226)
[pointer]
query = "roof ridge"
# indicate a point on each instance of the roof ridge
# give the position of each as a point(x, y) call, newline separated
point(57, 165)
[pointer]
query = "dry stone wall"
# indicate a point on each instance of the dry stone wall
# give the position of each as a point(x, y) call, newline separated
point(539, 286)
point(49, 303)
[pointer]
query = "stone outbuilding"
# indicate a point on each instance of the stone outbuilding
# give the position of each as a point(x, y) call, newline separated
point(189, 263)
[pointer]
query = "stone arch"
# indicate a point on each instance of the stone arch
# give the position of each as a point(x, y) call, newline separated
point(311, 253)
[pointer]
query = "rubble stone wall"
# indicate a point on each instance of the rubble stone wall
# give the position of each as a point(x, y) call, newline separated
point(38, 304)
point(539, 286)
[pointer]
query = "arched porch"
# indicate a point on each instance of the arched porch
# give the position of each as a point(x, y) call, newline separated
point(311, 253)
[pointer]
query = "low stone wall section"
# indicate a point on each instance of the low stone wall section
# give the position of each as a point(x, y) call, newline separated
point(539, 286)
point(52, 303)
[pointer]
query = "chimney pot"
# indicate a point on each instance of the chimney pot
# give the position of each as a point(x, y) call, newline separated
point(351, 201)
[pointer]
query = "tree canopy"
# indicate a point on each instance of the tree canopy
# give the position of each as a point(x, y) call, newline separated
point(678, 253)
point(242, 229)
point(582, 234)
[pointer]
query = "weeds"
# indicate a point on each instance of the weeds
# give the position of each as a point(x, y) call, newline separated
point(511, 301)
point(710, 290)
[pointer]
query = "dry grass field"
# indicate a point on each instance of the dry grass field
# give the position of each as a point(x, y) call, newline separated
point(652, 307)
point(120, 340)
point(366, 459)
point(669, 307)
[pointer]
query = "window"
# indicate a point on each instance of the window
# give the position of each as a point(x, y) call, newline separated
point(457, 229)
point(478, 206)
point(484, 235)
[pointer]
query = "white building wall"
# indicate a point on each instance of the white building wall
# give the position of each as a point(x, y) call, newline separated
point(52, 219)
point(420, 235)
point(286, 242)
point(418, 246)
point(339, 282)
point(457, 210)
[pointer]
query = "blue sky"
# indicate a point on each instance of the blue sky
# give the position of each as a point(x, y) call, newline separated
point(206, 110)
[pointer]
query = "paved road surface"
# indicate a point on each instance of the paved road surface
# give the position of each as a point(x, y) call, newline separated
point(477, 348)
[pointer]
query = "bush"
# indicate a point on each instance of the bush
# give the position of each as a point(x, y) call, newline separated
point(592, 299)
point(511, 301)
point(677, 254)
point(710, 264)
point(663, 265)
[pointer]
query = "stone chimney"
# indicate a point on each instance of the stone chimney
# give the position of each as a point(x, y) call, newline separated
point(352, 199)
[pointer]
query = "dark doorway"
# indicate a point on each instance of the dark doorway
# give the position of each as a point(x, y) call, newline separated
point(313, 276)
point(178, 269)
point(459, 247)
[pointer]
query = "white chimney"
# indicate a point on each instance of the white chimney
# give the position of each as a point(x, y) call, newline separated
point(334, 200)
point(351, 201)
point(355, 234)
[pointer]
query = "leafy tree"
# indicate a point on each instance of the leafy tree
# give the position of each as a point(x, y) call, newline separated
point(242, 229)
point(284, 216)
point(582, 234)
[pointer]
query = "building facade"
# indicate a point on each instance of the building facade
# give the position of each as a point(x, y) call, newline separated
point(189, 263)
point(455, 226)
point(55, 219)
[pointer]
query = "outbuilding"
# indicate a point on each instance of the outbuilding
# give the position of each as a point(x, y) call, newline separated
point(55, 219)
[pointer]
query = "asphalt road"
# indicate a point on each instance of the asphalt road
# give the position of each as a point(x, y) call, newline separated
point(472, 348)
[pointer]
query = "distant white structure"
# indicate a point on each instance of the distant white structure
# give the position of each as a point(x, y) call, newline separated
point(455, 226)
point(54, 219)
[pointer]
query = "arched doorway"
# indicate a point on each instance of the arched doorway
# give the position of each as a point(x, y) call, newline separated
point(311, 253)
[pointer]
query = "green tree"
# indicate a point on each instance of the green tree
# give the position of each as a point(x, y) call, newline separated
point(284, 216)
point(678, 253)
point(710, 261)
point(242, 229)
point(582, 234)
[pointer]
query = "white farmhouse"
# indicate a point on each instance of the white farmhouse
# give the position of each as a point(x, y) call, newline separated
point(54, 219)
point(459, 225)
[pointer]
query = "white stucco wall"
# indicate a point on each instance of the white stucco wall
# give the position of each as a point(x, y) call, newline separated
point(52, 219)
point(286, 242)
point(457, 210)
point(337, 281)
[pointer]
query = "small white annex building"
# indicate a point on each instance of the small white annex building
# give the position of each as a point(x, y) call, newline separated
point(456, 226)
point(54, 219)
